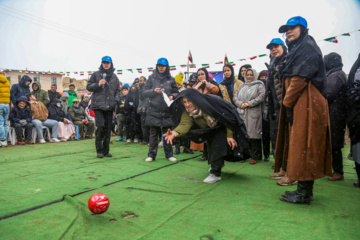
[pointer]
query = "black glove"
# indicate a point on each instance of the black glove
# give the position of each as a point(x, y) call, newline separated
point(290, 115)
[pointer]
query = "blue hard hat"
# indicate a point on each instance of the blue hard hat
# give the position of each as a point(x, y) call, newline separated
point(163, 61)
point(106, 59)
point(293, 22)
point(126, 85)
point(277, 41)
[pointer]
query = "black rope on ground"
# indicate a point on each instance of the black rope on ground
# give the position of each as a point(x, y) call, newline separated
point(89, 190)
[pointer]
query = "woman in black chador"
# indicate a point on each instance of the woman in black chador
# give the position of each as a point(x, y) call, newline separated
point(210, 118)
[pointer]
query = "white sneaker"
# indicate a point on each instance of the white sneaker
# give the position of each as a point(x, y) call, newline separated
point(136, 140)
point(3, 143)
point(212, 179)
point(171, 159)
point(128, 141)
point(54, 140)
point(149, 159)
point(42, 140)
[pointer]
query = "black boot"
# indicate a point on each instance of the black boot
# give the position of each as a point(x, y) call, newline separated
point(357, 182)
point(292, 193)
point(302, 195)
point(188, 150)
point(177, 149)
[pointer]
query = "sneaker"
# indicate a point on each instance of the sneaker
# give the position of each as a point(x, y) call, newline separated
point(3, 143)
point(120, 139)
point(336, 177)
point(212, 179)
point(136, 140)
point(54, 140)
point(171, 159)
point(42, 140)
point(128, 141)
point(357, 183)
point(285, 181)
point(278, 175)
point(161, 144)
point(149, 159)
point(99, 155)
point(266, 159)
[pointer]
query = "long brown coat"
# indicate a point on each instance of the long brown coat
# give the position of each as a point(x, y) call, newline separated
point(305, 146)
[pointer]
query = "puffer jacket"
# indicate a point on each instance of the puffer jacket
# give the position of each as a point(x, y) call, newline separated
point(53, 95)
point(18, 90)
point(158, 114)
point(39, 111)
point(55, 112)
point(72, 96)
point(77, 114)
point(40, 94)
point(4, 89)
point(104, 97)
point(16, 114)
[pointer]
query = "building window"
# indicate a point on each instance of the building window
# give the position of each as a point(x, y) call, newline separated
point(36, 78)
point(19, 78)
point(53, 80)
point(71, 80)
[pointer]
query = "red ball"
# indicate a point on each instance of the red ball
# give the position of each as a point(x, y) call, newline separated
point(98, 203)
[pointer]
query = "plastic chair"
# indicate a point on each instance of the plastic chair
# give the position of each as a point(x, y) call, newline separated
point(12, 135)
point(34, 133)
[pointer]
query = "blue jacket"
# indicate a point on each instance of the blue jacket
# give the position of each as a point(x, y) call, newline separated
point(16, 114)
point(18, 90)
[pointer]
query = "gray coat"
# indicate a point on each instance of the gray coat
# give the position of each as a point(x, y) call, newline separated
point(253, 117)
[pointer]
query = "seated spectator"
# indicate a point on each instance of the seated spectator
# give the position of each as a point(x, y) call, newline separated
point(66, 128)
point(85, 103)
point(78, 116)
point(40, 94)
point(65, 103)
point(40, 119)
point(53, 93)
point(20, 117)
point(90, 114)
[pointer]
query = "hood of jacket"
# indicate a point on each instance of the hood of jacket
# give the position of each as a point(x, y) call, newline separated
point(23, 99)
point(37, 84)
point(333, 62)
point(24, 79)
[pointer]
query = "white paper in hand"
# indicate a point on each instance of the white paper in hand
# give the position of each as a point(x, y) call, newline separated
point(167, 99)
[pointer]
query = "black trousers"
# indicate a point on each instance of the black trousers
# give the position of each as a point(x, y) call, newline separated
point(145, 129)
point(255, 149)
point(337, 162)
point(133, 126)
point(103, 120)
point(266, 138)
point(19, 131)
point(216, 166)
point(153, 143)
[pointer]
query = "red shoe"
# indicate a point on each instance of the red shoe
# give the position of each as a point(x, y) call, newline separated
point(20, 142)
point(29, 142)
point(252, 161)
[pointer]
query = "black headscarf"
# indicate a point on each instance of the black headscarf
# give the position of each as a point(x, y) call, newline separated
point(240, 77)
point(333, 62)
point(108, 72)
point(216, 107)
point(164, 75)
point(208, 79)
point(305, 59)
point(229, 82)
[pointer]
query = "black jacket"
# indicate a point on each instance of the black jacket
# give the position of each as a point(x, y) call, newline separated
point(158, 112)
point(18, 90)
point(120, 108)
point(16, 114)
point(104, 97)
point(53, 95)
point(55, 112)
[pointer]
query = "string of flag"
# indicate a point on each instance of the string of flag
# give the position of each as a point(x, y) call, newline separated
point(191, 63)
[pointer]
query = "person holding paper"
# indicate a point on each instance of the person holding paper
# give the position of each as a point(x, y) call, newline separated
point(158, 116)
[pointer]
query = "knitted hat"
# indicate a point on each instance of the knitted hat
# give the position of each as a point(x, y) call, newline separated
point(263, 73)
point(86, 95)
point(65, 95)
point(179, 79)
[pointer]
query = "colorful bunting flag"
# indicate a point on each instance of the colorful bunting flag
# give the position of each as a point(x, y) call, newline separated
point(332, 39)
point(130, 70)
point(172, 68)
point(190, 57)
point(219, 62)
point(242, 59)
point(192, 65)
point(81, 73)
point(205, 65)
point(20, 71)
point(226, 60)
point(119, 72)
point(37, 72)
point(252, 58)
point(139, 70)
point(26, 72)
point(231, 63)
point(76, 73)
point(49, 73)
point(183, 65)
point(150, 69)
point(262, 55)
point(346, 34)
point(43, 73)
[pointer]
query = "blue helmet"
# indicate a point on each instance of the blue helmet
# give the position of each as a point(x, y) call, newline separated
point(293, 22)
point(163, 61)
point(277, 41)
point(106, 59)
point(126, 85)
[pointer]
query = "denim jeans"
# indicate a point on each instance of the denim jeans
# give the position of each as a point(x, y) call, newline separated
point(4, 127)
point(53, 124)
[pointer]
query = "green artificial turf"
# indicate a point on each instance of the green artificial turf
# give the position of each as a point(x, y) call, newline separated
point(170, 203)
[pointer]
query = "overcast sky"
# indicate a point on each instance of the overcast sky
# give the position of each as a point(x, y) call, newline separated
point(69, 35)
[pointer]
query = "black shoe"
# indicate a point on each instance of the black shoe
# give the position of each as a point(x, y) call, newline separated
point(107, 155)
point(144, 143)
point(88, 137)
point(202, 159)
point(188, 150)
point(81, 138)
point(100, 155)
point(177, 151)
point(267, 159)
point(357, 183)
point(302, 195)
point(292, 193)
